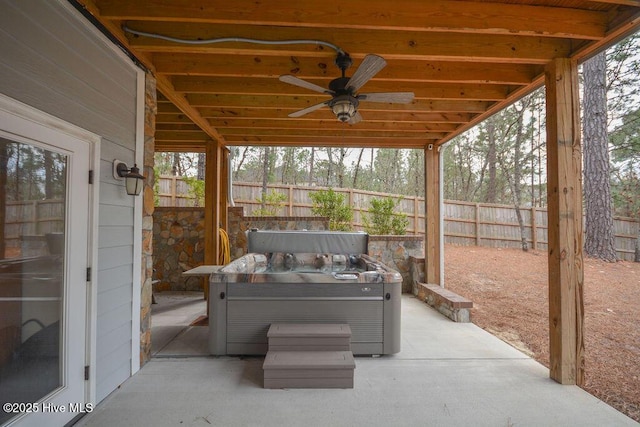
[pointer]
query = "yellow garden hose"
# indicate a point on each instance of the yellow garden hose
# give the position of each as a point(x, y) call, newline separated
point(225, 249)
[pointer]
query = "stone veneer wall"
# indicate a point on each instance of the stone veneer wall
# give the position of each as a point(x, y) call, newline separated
point(150, 110)
point(416, 269)
point(396, 253)
point(178, 245)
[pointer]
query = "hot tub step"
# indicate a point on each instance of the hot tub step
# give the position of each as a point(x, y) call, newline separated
point(309, 337)
point(308, 369)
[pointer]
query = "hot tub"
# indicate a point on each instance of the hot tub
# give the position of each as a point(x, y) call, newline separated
point(318, 279)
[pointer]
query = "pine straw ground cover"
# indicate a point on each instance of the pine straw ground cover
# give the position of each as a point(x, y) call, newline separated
point(508, 288)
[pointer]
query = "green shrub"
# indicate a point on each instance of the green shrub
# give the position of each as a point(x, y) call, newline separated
point(332, 205)
point(382, 220)
point(271, 203)
point(196, 189)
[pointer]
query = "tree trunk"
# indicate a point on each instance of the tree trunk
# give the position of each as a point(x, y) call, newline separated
point(418, 173)
point(357, 169)
point(18, 185)
point(517, 174)
point(265, 176)
point(599, 238)
point(201, 166)
point(394, 170)
point(311, 163)
point(491, 161)
point(329, 166)
point(236, 173)
point(49, 174)
point(284, 173)
point(176, 165)
point(4, 162)
point(342, 154)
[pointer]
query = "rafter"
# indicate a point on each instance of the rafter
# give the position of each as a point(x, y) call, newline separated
point(434, 15)
point(325, 141)
point(409, 71)
point(431, 47)
point(330, 123)
point(324, 114)
point(299, 102)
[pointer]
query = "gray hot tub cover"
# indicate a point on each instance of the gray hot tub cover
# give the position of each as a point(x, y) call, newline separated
point(298, 241)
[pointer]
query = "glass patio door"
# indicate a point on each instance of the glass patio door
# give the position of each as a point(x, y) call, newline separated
point(44, 229)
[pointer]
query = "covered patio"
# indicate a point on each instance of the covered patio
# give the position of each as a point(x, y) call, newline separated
point(216, 70)
point(209, 87)
point(448, 373)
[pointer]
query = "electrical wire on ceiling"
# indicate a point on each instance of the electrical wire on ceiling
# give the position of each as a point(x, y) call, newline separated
point(233, 39)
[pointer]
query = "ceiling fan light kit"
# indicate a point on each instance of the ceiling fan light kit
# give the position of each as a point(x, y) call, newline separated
point(344, 107)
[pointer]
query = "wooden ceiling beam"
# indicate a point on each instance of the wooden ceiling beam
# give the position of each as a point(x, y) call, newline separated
point(434, 15)
point(635, 3)
point(398, 71)
point(346, 132)
point(443, 48)
point(178, 127)
point(190, 136)
point(232, 102)
point(180, 146)
point(329, 123)
point(319, 125)
point(421, 91)
point(323, 141)
point(278, 113)
point(411, 45)
point(454, 102)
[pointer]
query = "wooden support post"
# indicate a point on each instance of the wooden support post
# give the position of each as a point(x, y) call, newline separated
point(212, 180)
point(224, 189)
point(564, 174)
point(432, 215)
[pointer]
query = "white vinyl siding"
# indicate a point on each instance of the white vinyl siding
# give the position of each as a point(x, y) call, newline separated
point(53, 61)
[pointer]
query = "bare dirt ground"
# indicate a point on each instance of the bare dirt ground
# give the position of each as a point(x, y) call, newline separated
point(508, 288)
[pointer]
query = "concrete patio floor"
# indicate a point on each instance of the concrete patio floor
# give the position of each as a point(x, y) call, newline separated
point(447, 374)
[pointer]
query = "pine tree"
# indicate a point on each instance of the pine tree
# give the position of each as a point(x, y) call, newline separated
point(599, 238)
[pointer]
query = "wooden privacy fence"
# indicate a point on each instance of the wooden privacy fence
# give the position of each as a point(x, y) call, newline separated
point(32, 219)
point(465, 223)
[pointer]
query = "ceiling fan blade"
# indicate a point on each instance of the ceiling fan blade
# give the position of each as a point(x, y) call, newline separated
point(304, 111)
point(355, 119)
point(367, 69)
point(396, 97)
point(293, 80)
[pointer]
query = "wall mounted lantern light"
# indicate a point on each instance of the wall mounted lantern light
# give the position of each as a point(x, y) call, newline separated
point(134, 180)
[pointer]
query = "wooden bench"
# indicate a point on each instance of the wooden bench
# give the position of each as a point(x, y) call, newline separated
point(446, 302)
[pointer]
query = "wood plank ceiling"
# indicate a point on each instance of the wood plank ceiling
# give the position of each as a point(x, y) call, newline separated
point(464, 60)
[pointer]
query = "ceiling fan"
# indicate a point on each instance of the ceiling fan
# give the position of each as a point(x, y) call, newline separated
point(343, 90)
